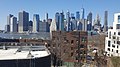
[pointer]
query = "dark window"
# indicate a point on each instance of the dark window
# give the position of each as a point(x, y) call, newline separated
point(109, 35)
point(116, 51)
point(113, 46)
point(72, 41)
point(114, 33)
point(114, 42)
point(118, 26)
point(72, 54)
point(108, 49)
point(118, 42)
point(82, 46)
point(112, 50)
point(118, 19)
point(117, 46)
point(118, 33)
point(109, 43)
point(71, 48)
point(114, 37)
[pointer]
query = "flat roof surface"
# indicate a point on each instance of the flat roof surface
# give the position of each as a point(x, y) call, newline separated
point(27, 52)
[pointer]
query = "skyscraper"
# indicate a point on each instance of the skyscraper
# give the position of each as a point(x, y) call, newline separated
point(43, 26)
point(57, 18)
point(35, 23)
point(106, 21)
point(23, 22)
point(68, 21)
point(8, 22)
point(89, 19)
point(61, 21)
point(46, 17)
point(13, 24)
point(30, 26)
point(77, 15)
point(82, 13)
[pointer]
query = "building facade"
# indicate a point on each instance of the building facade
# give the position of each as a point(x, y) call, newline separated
point(13, 24)
point(43, 27)
point(105, 21)
point(69, 47)
point(61, 21)
point(8, 23)
point(36, 23)
point(23, 22)
point(82, 13)
point(112, 41)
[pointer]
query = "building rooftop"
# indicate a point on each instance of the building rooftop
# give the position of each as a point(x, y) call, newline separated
point(23, 52)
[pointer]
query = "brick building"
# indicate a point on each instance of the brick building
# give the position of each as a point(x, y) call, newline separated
point(69, 48)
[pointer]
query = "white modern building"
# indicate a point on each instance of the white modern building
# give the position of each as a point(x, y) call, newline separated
point(35, 23)
point(13, 24)
point(112, 41)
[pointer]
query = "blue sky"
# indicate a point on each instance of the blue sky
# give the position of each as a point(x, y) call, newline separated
point(52, 6)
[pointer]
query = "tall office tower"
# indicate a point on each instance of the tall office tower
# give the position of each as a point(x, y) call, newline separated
point(53, 26)
point(43, 26)
point(8, 22)
point(35, 23)
point(98, 20)
point(23, 22)
point(57, 16)
point(106, 21)
point(82, 13)
point(46, 17)
point(68, 20)
point(84, 24)
point(79, 25)
point(13, 24)
point(77, 15)
point(61, 21)
point(89, 19)
point(74, 23)
point(30, 26)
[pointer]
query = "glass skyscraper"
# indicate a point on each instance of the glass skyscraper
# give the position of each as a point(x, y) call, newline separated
point(77, 15)
point(89, 19)
point(13, 24)
point(57, 18)
point(68, 21)
point(106, 21)
point(36, 23)
point(82, 13)
point(23, 22)
point(61, 21)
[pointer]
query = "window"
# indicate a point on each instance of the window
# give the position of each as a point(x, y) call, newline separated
point(114, 33)
point(82, 46)
point(118, 26)
point(72, 41)
point(113, 46)
point(114, 42)
point(108, 49)
point(110, 35)
point(108, 43)
point(112, 50)
point(118, 19)
point(114, 37)
point(118, 33)
point(72, 54)
point(118, 42)
point(117, 46)
point(116, 51)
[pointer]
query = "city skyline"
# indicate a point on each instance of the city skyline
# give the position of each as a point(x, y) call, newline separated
point(51, 7)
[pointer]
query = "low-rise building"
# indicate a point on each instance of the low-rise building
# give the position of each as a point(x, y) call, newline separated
point(70, 48)
point(112, 41)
